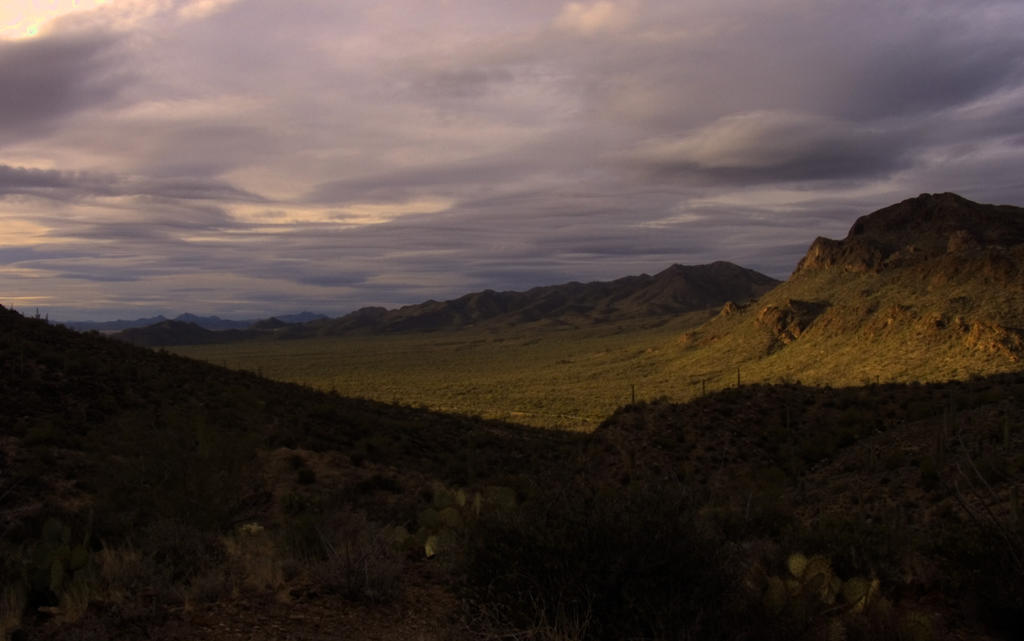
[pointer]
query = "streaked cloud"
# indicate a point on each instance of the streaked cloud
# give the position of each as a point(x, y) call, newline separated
point(779, 146)
point(253, 156)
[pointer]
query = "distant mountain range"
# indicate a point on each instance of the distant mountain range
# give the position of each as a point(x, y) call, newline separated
point(214, 323)
point(676, 290)
point(651, 299)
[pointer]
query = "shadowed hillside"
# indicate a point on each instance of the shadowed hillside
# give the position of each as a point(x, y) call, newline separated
point(125, 475)
point(144, 495)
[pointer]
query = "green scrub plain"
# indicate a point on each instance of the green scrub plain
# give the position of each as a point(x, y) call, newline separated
point(572, 378)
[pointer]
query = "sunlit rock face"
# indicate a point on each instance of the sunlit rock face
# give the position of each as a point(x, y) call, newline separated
point(921, 229)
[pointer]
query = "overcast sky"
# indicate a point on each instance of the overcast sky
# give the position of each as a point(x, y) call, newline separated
point(251, 157)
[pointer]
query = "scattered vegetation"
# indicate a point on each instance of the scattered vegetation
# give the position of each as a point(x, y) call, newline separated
point(552, 378)
point(144, 491)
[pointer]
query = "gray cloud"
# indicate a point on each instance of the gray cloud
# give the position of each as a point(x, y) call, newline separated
point(778, 147)
point(260, 160)
point(46, 79)
point(71, 185)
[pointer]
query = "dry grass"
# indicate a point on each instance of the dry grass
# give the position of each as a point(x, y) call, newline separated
point(12, 606)
point(255, 562)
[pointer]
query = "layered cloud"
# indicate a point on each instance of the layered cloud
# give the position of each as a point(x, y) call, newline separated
point(255, 157)
point(767, 146)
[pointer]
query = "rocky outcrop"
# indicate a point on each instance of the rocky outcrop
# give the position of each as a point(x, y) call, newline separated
point(916, 230)
point(728, 309)
point(787, 322)
point(994, 339)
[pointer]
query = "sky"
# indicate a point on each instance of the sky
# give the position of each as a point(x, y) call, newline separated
point(254, 157)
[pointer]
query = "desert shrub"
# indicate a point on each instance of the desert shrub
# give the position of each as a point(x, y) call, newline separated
point(122, 572)
point(985, 570)
point(377, 483)
point(179, 551)
point(930, 479)
point(254, 561)
point(306, 476)
point(359, 560)
point(301, 537)
point(12, 605)
point(620, 563)
point(859, 545)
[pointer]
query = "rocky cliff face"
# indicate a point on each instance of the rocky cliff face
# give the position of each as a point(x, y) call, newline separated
point(920, 229)
point(928, 288)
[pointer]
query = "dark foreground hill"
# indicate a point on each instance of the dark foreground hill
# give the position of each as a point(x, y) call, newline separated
point(148, 496)
point(125, 475)
point(928, 289)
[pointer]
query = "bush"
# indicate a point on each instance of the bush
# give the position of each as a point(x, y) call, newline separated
point(181, 552)
point(985, 570)
point(360, 562)
point(616, 564)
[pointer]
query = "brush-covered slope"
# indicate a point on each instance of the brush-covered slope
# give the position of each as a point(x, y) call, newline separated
point(676, 290)
point(107, 407)
point(177, 500)
point(927, 289)
point(915, 486)
point(125, 474)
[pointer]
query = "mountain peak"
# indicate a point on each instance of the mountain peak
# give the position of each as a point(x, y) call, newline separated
point(676, 290)
point(914, 230)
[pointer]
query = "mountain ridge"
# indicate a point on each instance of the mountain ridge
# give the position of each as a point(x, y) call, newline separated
point(677, 289)
point(215, 323)
point(930, 287)
point(915, 230)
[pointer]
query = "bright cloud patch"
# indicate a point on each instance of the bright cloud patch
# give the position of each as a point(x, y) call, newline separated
point(30, 18)
point(355, 214)
point(590, 18)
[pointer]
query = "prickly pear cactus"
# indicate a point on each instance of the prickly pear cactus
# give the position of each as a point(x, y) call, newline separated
point(54, 561)
point(807, 593)
point(432, 546)
point(429, 519)
point(450, 517)
point(817, 565)
point(855, 592)
point(796, 563)
point(775, 595)
point(916, 626)
point(79, 558)
point(501, 497)
point(56, 533)
point(817, 579)
point(836, 630)
point(450, 510)
point(443, 497)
